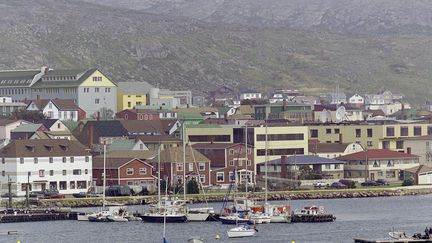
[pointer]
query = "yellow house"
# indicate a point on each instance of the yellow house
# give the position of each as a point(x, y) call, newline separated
point(132, 94)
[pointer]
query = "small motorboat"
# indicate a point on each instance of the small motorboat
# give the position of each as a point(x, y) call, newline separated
point(116, 218)
point(398, 235)
point(242, 230)
point(98, 218)
point(260, 218)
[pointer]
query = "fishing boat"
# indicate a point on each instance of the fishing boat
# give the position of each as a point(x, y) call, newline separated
point(242, 230)
point(313, 214)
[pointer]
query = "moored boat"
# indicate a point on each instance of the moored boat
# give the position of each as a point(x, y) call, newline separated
point(242, 230)
point(234, 219)
point(313, 214)
point(199, 214)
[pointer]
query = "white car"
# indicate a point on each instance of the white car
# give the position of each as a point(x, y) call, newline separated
point(320, 184)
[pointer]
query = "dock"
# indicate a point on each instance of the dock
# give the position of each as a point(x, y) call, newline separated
point(393, 241)
point(13, 216)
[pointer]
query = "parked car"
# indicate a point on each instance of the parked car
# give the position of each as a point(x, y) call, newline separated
point(7, 194)
point(382, 182)
point(338, 185)
point(80, 195)
point(370, 183)
point(53, 194)
point(320, 184)
point(36, 195)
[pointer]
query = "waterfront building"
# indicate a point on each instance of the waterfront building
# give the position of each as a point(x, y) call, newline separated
point(197, 166)
point(57, 109)
point(123, 169)
point(48, 164)
point(90, 89)
point(378, 164)
point(421, 174)
point(332, 150)
point(226, 159)
point(292, 167)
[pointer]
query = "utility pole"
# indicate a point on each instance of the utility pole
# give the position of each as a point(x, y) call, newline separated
point(184, 160)
point(366, 164)
point(266, 160)
point(10, 192)
point(28, 189)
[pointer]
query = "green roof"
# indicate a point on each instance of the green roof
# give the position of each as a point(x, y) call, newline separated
point(70, 124)
point(189, 116)
point(126, 144)
point(203, 126)
point(27, 128)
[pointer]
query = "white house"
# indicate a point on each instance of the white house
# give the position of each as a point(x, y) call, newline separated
point(56, 109)
point(356, 99)
point(333, 150)
point(250, 95)
point(48, 164)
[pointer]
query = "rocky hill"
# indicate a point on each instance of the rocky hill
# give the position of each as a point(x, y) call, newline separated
point(191, 53)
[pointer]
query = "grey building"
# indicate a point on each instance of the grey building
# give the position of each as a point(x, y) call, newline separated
point(91, 90)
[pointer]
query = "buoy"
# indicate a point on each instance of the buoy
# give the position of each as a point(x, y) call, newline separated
point(292, 241)
point(18, 241)
point(217, 237)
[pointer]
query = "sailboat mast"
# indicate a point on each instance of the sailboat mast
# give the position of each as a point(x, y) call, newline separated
point(159, 177)
point(104, 176)
point(246, 157)
point(184, 161)
point(266, 160)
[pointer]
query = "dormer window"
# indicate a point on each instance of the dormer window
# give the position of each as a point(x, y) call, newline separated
point(64, 147)
point(30, 148)
point(49, 148)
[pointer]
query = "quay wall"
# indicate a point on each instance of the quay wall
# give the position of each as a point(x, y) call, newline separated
point(219, 197)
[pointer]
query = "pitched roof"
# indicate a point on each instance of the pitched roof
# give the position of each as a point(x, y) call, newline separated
point(39, 103)
point(64, 105)
point(48, 122)
point(419, 169)
point(17, 77)
point(327, 147)
point(376, 154)
point(142, 127)
point(27, 128)
point(113, 163)
point(141, 111)
point(108, 128)
point(122, 144)
point(167, 124)
point(43, 148)
point(80, 76)
point(140, 154)
point(175, 154)
point(306, 160)
point(5, 121)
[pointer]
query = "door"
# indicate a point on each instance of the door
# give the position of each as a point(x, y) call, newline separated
point(372, 176)
point(43, 187)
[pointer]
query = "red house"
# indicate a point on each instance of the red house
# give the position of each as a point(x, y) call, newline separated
point(225, 159)
point(139, 114)
point(123, 171)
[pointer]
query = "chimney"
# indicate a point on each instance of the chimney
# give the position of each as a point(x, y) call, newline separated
point(283, 164)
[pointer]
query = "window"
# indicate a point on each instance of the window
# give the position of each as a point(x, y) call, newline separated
point(358, 133)
point(3, 160)
point(72, 184)
point(202, 178)
point(3, 173)
point(81, 184)
point(96, 101)
point(64, 159)
point(327, 167)
point(51, 172)
point(87, 159)
point(231, 151)
point(385, 144)
point(77, 172)
point(328, 131)
point(248, 162)
point(62, 185)
point(390, 163)
point(376, 163)
point(429, 130)
point(231, 176)
point(369, 143)
point(179, 167)
point(314, 133)
point(96, 90)
point(142, 171)
point(86, 171)
point(390, 131)
point(64, 172)
point(336, 130)
point(231, 163)
point(129, 104)
point(201, 166)
point(86, 90)
point(380, 173)
point(35, 160)
point(369, 133)
point(107, 90)
point(71, 159)
point(337, 166)
point(190, 166)
point(220, 177)
point(417, 131)
point(400, 144)
point(281, 137)
point(272, 152)
point(41, 173)
point(129, 171)
point(404, 131)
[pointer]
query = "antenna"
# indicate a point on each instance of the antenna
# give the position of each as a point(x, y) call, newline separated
point(340, 114)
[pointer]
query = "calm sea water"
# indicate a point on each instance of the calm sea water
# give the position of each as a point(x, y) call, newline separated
point(361, 217)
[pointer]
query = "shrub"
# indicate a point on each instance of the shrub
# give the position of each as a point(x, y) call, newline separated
point(349, 183)
point(408, 182)
point(192, 187)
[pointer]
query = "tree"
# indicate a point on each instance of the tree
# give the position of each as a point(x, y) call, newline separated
point(31, 116)
point(408, 182)
point(192, 187)
point(103, 114)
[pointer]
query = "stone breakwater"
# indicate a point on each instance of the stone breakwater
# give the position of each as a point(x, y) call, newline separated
point(274, 196)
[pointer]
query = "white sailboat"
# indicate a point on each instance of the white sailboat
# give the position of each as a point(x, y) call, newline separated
point(242, 230)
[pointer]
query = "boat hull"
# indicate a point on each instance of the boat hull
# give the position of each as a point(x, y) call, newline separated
point(197, 216)
point(225, 220)
point(240, 234)
point(160, 218)
point(280, 219)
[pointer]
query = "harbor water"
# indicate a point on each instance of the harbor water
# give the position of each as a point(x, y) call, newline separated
point(357, 217)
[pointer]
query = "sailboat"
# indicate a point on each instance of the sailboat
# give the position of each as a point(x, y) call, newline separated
point(166, 212)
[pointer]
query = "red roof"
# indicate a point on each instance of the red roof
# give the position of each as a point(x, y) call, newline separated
point(376, 154)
